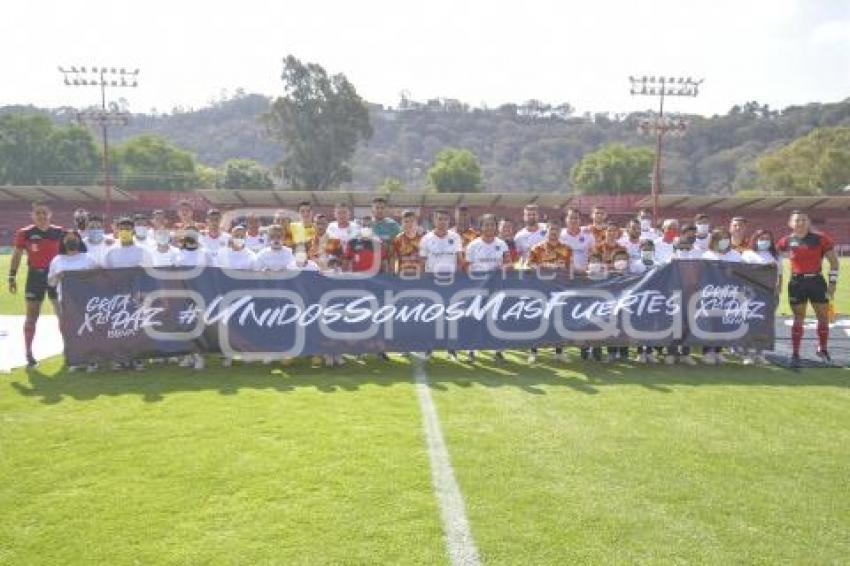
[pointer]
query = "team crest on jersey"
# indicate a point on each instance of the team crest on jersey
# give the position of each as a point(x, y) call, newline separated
point(451, 241)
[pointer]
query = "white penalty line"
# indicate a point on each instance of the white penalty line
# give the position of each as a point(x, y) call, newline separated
point(461, 546)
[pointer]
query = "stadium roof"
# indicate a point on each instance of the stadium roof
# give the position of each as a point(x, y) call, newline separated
point(234, 197)
point(755, 202)
point(60, 193)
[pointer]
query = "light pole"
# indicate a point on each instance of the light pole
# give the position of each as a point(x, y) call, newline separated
point(103, 77)
point(661, 87)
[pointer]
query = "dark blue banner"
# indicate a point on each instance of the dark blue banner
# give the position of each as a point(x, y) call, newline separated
point(124, 314)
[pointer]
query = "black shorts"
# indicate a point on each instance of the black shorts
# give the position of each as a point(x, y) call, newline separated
point(811, 289)
point(37, 286)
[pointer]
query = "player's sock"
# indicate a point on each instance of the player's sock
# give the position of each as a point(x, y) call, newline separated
point(796, 336)
point(29, 334)
point(823, 334)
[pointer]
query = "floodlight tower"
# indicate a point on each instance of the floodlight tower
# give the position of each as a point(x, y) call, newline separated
point(103, 77)
point(661, 87)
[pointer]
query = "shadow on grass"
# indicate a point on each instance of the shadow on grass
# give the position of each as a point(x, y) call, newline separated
point(589, 378)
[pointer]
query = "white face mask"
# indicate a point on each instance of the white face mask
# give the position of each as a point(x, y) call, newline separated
point(594, 267)
point(238, 242)
point(162, 237)
point(645, 224)
point(702, 229)
point(621, 264)
point(723, 245)
point(366, 232)
point(763, 245)
point(141, 232)
point(647, 255)
point(95, 235)
point(301, 258)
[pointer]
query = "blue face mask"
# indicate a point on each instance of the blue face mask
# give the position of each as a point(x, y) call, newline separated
point(763, 245)
point(95, 235)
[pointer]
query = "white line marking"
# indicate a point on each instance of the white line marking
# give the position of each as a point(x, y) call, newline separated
point(461, 546)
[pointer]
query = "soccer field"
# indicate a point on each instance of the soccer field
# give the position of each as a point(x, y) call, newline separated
point(293, 464)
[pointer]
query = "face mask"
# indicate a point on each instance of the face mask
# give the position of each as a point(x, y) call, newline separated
point(125, 236)
point(162, 237)
point(72, 245)
point(275, 243)
point(594, 267)
point(702, 229)
point(366, 233)
point(141, 232)
point(763, 245)
point(95, 235)
point(189, 244)
point(647, 255)
point(238, 242)
point(621, 264)
point(645, 224)
point(670, 234)
point(723, 245)
point(301, 258)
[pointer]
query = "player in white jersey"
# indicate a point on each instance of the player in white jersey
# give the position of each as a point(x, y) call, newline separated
point(581, 242)
point(703, 232)
point(441, 249)
point(276, 256)
point(126, 253)
point(255, 238)
point(531, 234)
point(163, 254)
point(191, 254)
point(97, 243)
point(631, 239)
point(647, 229)
point(487, 253)
point(214, 239)
point(343, 228)
point(237, 255)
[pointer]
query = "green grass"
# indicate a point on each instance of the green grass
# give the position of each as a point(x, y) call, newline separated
point(599, 464)
point(14, 304)
point(557, 465)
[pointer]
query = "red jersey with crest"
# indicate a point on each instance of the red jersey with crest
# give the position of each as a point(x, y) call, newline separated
point(806, 252)
point(41, 245)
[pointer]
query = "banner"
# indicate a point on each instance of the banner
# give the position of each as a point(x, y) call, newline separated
point(124, 314)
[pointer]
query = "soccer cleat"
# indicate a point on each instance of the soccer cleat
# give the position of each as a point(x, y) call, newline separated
point(597, 355)
point(652, 358)
point(709, 358)
point(185, 362)
point(91, 368)
point(31, 361)
point(642, 358)
point(748, 360)
point(72, 369)
point(532, 358)
point(383, 357)
point(226, 362)
point(499, 357)
point(453, 355)
point(719, 358)
point(824, 357)
point(795, 361)
point(470, 357)
point(760, 359)
point(198, 362)
point(329, 360)
point(138, 365)
point(339, 360)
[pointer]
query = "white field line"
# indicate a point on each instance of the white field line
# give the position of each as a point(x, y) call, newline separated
point(459, 542)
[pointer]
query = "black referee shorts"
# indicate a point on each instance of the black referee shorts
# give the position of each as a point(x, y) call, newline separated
point(807, 289)
point(37, 286)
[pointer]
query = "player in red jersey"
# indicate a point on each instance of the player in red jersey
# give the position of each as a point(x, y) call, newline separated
point(807, 249)
point(41, 240)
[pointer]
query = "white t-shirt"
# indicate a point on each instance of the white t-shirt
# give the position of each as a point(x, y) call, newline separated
point(664, 251)
point(229, 258)
point(440, 253)
point(688, 254)
point(62, 263)
point(732, 256)
point(309, 266)
point(255, 243)
point(526, 239)
point(168, 258)
point(194, 258)
point(216, 245)
point(97, 251)
point(274, 260)
point(632, 247)
point(483, 256)
point(126, 256)
point(701, 244)
point(343, 234)
point(581, 244)
point(638, 266)
point(761, 258)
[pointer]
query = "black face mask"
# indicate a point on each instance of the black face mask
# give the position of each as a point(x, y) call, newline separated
point(72, 245)
point(190, 245)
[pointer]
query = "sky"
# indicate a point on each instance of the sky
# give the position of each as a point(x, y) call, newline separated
point(779, 52)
